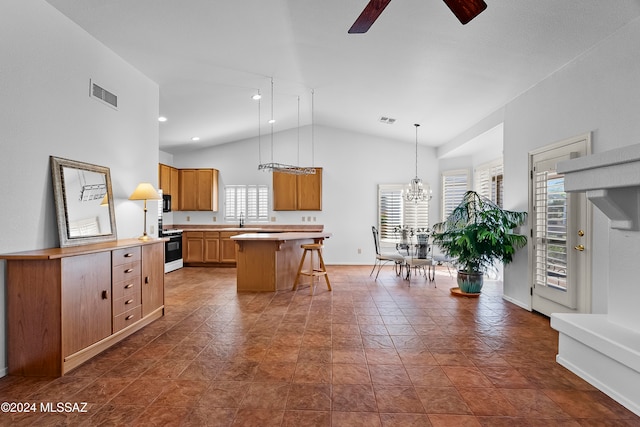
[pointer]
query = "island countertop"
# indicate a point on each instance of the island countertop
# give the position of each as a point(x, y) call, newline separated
point(283, 236)
point(268, 262)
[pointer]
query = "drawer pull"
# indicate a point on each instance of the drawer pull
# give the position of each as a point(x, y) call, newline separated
point(128, 301)
point(129, 317)
point(128, 270)
point(128, 255)
point(105, 294)
point(129, 286)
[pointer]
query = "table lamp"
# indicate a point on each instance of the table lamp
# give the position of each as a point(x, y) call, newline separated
point(145, 191)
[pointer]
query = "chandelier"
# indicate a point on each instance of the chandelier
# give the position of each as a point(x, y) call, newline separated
point(416, 191)
point(281, 167)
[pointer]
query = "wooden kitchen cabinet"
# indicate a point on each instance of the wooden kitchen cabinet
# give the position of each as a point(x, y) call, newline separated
point(66, 305)
point(169, 181)
point(193, 244)
point(227, 247)
point(297, 192)
point(209, 247)
point(198, 189)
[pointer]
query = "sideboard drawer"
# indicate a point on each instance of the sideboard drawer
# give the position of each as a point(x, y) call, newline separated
point(126, 303)
point(125, 256)
point(127, 318)
point(125, 272)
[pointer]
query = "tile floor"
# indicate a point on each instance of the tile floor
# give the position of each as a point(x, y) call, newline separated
point(370, 353)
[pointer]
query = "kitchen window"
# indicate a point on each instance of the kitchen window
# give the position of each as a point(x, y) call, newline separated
point(249, 202)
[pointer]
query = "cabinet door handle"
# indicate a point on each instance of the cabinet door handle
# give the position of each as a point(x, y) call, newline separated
point(128, 301)
point(146, 279)
point(105, 294)
point(129, 286)
point(128, 270)
point(129, 317)
point(128, 255)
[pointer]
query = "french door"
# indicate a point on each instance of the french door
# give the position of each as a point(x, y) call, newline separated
point(561, 233)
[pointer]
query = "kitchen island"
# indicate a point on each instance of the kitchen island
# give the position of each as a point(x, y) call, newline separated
point(268, 262)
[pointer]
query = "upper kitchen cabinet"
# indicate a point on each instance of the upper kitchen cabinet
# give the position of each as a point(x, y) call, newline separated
point(169, 181)
point(198, 189)
point(297, 192)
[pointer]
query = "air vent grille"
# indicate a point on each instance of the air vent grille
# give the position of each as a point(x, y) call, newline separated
point(387, 120)
point(104, 95)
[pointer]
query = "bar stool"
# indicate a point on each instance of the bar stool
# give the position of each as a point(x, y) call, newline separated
point(312, 272)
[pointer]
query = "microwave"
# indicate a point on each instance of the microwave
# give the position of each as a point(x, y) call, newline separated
point(166, 203)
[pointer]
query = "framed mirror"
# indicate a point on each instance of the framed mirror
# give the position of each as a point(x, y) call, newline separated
point(84, 202)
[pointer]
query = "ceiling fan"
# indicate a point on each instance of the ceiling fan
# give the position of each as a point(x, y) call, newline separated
point(465, 11)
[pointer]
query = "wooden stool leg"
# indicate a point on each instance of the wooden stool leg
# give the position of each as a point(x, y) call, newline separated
point(323, 268)
point(295, 284)
point(311, 276)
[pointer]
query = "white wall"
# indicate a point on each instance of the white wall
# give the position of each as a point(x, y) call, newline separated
point(45, 109)
point(353, 165)
point(598, 92)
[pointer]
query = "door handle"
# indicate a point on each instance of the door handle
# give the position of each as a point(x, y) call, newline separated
point(579, 248)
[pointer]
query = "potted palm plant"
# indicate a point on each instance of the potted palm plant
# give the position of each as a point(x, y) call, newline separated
point(478, 233)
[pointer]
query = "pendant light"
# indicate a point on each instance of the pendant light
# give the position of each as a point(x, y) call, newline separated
point(416, 191)
point(280, 167)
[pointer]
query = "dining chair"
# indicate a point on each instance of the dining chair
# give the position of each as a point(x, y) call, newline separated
point(420, 259)
point(383, 258)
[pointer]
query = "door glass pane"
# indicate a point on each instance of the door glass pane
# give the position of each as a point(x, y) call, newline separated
point(551, 230)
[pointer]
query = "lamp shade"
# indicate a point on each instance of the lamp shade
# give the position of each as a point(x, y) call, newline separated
point(144, 191)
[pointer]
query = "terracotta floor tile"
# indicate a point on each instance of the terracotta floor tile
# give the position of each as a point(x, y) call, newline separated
point(355, 419)
point(353, 397)
point(266, 396)
point(397, 399)
point(369, 353)
point(405, 420)
point(258, 417)
point(306, 419)
point(350, 373)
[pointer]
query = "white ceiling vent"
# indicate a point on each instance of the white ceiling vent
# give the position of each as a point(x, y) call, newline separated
point(387, 120)
point(103, 95)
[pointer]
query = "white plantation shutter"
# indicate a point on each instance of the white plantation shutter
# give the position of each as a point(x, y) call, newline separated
point(488, 180)
point(250, 201)
point(454, 184)
point(395, 211)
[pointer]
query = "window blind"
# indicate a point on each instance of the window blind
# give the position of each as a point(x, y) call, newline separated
point(454, 185)
point(249, 201)
point(488, 179)
point(394, 211)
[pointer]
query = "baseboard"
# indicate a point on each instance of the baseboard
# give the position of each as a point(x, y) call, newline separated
point(516, 302)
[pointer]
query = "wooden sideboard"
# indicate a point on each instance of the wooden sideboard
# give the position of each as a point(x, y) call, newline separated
point(66, 305)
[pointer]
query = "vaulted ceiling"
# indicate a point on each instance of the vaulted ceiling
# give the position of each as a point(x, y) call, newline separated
point(417, 63)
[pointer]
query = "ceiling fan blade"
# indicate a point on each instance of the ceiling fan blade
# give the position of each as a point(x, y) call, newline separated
point(466, 10)
point(368, 16)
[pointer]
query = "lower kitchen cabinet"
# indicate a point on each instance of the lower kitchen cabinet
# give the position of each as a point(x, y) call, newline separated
point(209, 247)
point(66, 305)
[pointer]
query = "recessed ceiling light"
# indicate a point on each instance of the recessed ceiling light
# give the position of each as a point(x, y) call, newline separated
point(256, 97)
point(195, 138)
point(162, 119)
point(272, 121)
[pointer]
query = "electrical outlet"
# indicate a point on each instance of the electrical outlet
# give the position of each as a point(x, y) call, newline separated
point(273, 219)
point(188, 218)
point(302, 219)
point(308, 219)
point(314, 219)
point(359, 251)
point(215, 218)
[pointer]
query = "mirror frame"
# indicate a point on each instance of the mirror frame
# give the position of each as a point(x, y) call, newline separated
point(57, 164)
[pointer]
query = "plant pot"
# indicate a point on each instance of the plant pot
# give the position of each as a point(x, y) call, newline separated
point(470, 283)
